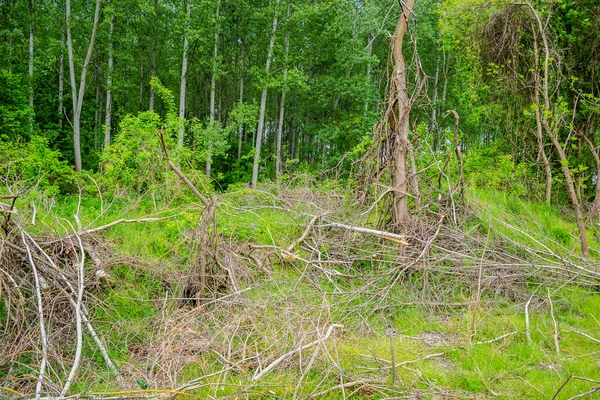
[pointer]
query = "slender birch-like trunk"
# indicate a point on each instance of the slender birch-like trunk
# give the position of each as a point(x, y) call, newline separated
point(550, 131)
point(282, 106)
point(61, 81)
point(107, 121)
point(241, 127)
point(78, 95)
point(153, 71)
point(538, 120)
point(263, 105)
point(31, 15)
point(213, 86)
point(184, 65)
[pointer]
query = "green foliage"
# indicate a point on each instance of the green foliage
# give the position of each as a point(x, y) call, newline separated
point(15, 112)
point(490, 168)
point(134, 159)
point(35, 165)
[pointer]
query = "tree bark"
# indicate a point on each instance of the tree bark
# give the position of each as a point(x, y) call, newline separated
point(184, 66)
point(61, 80)
point(538, 120)
point(545, 116)
point(107, 121)
point(401, 126)
point(213, 86)
point(263, 104)
point(31, 36)
point(241, 127)
point(282, 106)
point(78, 95)
point(153, 71)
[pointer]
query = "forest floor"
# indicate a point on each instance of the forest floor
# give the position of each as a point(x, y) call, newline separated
point(490, 300)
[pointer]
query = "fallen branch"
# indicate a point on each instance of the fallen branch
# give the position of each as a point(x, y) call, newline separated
point(587, 336)
point(270, 367)
point(302, 238)
point(386, 235)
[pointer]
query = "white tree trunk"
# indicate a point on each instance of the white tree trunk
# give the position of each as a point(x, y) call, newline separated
point(78, 95)
point(213, 85)
point(31, 14)
point(282, 106)
point(61, 80)
point(241, 127)
point(107, 120)
point(183, 80)
point(263, 104)
point(153, 72)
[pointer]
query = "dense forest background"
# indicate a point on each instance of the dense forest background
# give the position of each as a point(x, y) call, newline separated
point(310, 78)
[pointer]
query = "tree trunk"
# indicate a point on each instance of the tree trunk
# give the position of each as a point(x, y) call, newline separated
point(78, 96)
point(107, 121)
point(213, 86)
point(241, 127)
point(61, 80)
point(263, 104)
point(370, 39)
point(433, 127)
point(538, 120)
point(554, 139)
point(282, 106)
point(31, 14)
point(401, 126)
point(183, 79)
point(153, 72)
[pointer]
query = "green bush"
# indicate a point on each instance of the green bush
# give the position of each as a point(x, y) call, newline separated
point(34, 165)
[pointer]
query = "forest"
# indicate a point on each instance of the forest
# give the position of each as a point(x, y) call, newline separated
point(298, 199)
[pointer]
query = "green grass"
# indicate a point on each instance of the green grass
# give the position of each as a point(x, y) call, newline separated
point(278, 308)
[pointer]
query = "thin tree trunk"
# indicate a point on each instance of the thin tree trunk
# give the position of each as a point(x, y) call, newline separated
point(241, 127)
point(183, 80)
point(282, 106)
point(434, 126)
point(401, 127)
point(31, 15)
point(78, 96)
point(153, 72)
point(370, 39)
point(538, 119)
point(263, 104)
point(61, 72)
point(97, 110)
point(141, 99)
point(213, 86)
point(556, 143)
point(107, 121)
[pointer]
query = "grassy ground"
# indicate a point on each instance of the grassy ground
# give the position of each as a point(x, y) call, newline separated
point(446, 341)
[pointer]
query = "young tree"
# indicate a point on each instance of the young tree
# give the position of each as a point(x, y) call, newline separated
point(263, 104)
point(78, 95)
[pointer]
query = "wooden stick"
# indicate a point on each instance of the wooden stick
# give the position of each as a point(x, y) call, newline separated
point(386, 235)
point(268, 369)
point(555, 324)
point(38, 295)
